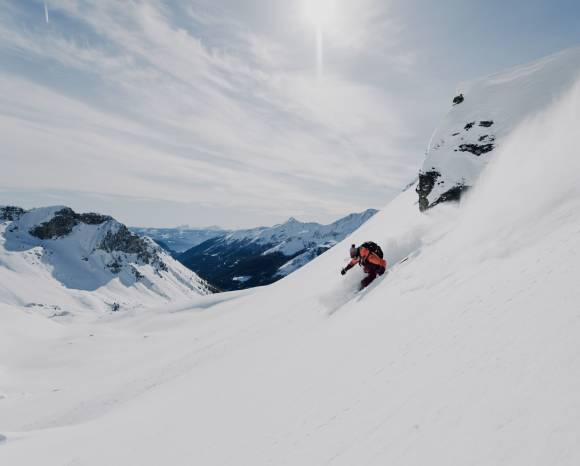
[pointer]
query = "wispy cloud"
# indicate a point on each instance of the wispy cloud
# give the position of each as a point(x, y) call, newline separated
point(188, 104)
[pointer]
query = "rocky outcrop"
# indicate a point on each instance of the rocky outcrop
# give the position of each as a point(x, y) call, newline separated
point(425, 186)
point(439, 181)
point(63, 222)
point(458, 99)
point(10, 213)
point(475, 149)
point(124, 241)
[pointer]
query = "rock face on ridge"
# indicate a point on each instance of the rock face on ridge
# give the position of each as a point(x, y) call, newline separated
point(10, 213)
point(63, 222)
point(88, 257)
point(485, 112)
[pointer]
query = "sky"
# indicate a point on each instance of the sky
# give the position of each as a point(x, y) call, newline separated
point(242, 113)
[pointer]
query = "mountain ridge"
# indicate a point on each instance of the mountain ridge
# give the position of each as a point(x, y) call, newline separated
point(87, 255)
point(262, 255)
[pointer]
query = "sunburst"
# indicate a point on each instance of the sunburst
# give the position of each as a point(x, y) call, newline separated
point(321, 14)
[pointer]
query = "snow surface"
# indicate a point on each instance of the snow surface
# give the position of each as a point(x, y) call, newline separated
point(506, 99)
point(465, 354)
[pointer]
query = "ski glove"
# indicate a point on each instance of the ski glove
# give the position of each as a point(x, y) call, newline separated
point(343, 272)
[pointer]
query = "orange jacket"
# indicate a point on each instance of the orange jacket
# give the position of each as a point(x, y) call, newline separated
point(367, 257)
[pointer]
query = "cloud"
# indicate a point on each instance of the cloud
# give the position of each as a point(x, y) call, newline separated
point(186, 104)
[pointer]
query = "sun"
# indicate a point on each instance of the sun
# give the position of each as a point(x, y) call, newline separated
point(321, 13)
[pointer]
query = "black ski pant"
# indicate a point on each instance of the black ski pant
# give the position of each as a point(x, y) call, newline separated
point(372, 271)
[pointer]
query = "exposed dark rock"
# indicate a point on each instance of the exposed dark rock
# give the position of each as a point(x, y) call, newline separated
point(453, 194)
point(138, 275)
point(124, 241)
point(468, 126)
point(455, 134)
point(486, 123)
point(426, 183)
point(93, 219)
point(476, 149)
point(425, 186)
point(60, 225)
point(486, 137)
point(10, 213)
point(63, 222)
point(115, 266)
point(458, 99)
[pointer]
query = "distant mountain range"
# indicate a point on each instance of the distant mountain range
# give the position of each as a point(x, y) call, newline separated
point(59, 262)
point(180, 239)
point(232, 260)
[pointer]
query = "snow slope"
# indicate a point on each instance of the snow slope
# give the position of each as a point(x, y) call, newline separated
point(465, 141)
point(60, 262)
point(467, 353)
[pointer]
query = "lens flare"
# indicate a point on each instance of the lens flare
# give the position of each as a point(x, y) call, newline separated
point(322, 15)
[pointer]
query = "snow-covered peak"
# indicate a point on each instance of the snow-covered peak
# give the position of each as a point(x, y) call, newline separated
point(484, 112)
point(305, 230)
point(85, 254)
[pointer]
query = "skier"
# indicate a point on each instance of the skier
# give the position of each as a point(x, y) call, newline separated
point(370, 257)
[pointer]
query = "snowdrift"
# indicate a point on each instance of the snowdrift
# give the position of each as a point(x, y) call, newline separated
point(466, 353)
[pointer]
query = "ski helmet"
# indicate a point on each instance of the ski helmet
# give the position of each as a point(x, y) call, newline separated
point(353, 251)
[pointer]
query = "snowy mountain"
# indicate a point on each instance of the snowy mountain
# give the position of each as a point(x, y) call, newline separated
point(260, 256)
point(55, 259)
point(180, 239)
point(484, 113)
point(465, 354)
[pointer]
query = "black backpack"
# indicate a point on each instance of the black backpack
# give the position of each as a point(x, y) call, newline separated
point(373, 247)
